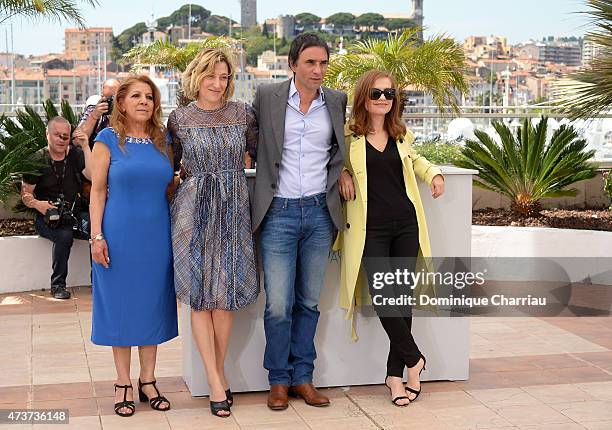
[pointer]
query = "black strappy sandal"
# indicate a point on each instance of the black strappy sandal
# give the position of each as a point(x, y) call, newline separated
point(412, 390)
point(154, 402)
point(216, 407)
point(125, 403)
point(394, 401)
point(230, 397)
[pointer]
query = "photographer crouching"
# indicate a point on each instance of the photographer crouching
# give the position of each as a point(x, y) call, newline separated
point(56, 194)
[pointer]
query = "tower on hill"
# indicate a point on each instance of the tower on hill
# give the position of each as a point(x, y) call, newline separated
point(417, 15)
point(248, 13)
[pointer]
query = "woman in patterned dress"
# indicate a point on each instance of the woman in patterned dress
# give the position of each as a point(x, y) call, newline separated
point(214, 258)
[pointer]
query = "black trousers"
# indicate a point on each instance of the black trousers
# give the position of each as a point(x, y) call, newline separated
point(390, 246)
point(62, 243)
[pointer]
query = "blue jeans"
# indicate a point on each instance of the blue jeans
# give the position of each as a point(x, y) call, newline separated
point(295, 240)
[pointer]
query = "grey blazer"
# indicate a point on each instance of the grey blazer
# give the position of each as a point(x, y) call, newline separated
point(269, 105)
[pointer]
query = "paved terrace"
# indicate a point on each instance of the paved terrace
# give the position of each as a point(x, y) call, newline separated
point(526, 373)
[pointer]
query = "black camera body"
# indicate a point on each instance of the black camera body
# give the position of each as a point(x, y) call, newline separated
point(62, 214)
point(109, 100)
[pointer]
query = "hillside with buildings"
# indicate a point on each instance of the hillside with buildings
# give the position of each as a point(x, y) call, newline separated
point(498, 72)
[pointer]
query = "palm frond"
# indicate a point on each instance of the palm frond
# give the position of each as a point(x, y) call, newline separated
point(163, 53)
point(434, 66)
point(588, 92)
point(55, 11)
point(525, 167)
point(21, 139)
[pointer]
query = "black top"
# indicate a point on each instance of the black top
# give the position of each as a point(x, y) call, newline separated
point(387, 199)
point(48, 183)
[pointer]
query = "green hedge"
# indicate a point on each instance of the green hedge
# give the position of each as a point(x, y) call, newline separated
point(439, 152)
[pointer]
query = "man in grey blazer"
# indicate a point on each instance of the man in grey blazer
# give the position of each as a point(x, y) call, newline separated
point(296, 209)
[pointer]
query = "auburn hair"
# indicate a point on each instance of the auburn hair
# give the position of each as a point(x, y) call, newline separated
point(360, 117)
point(155, 128)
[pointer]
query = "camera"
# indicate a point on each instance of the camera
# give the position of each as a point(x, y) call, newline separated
point(60, 215)
point(109, 100)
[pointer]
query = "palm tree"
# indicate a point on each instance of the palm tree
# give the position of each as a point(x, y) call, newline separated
point(21, 140)
point(435, 66)
point(588, 92)
point(524, 167)
point(51, 10)
point(163, 53)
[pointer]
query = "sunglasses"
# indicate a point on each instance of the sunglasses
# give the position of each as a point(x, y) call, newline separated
point(375, 93)
point(62, 136)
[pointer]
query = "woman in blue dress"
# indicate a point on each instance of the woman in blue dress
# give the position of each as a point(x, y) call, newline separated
point(134, 302)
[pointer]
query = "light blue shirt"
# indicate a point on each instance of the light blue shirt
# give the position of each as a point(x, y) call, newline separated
point(303, 167)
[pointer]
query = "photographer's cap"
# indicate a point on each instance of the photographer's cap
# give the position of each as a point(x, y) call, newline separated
point(93, 100)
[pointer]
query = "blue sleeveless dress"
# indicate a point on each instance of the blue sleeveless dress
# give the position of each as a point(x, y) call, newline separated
point(134, 302)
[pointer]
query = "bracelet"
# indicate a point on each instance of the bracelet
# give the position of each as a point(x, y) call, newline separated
point(97, 237)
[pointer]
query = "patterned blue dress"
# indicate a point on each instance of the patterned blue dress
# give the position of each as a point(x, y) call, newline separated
point(214, 251)
point(133, 300)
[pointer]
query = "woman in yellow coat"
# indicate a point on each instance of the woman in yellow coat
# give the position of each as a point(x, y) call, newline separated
point(385, 227)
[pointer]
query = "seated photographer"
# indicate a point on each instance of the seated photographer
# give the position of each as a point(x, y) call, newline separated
point(56, 194)
point(95, 116)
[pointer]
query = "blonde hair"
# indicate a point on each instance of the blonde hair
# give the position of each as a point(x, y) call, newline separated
point(155, 127)
point(203, 66)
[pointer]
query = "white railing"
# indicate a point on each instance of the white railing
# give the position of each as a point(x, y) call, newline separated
point(431, 123)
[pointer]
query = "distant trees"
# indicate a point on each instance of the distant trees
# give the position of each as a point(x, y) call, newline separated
point(341, 19)
point(394, 24)
point(200, 18)
point(181, 17)
point(306, 18)
point(370, 20)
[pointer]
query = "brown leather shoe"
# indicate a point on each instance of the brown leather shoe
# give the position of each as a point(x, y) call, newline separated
point(278, 398)
point(310, 394)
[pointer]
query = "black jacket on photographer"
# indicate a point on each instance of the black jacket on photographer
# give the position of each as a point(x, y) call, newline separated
point(60, 179)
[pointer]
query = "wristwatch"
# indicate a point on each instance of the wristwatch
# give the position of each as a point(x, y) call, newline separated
point(98, 236)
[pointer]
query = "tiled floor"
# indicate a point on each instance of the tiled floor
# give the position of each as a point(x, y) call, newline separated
point(527, 373)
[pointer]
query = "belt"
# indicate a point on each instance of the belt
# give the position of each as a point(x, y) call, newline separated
point(217, 177)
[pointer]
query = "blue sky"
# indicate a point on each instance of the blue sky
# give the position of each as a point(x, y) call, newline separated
point(519, 20)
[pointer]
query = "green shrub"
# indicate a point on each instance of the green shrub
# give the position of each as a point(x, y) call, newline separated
point(607, 180)
point(439, 152)
point(525, 167)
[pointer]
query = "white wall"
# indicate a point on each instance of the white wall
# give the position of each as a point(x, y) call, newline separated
point(590, 194)
point(562, 254)
point(25, 264)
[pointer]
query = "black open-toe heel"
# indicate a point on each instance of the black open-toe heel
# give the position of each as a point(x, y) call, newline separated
point(129, 404)
point(230, 397)
point(154, 402)
point(394, 401)
point(216, 407)
point(412, 390)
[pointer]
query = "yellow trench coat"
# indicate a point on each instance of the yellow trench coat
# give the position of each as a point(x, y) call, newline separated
point(351, 240)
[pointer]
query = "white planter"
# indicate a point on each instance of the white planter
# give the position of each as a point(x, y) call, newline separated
point(569, 254)
point(25, 264)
